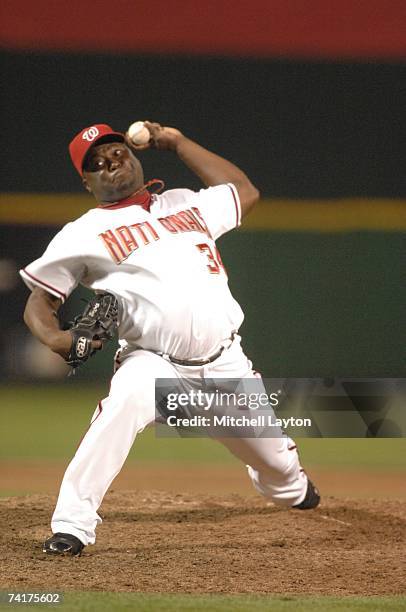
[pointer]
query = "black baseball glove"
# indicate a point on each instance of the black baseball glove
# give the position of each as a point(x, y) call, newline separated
point(97, 322)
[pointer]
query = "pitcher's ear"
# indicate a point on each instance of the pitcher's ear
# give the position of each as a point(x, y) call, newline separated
point(85, 184)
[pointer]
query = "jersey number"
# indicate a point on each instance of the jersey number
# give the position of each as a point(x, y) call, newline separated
point(215, 263)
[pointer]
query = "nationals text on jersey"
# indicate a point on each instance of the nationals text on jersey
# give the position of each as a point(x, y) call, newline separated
point(121, 241)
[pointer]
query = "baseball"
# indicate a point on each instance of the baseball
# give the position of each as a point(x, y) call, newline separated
point(138, 133)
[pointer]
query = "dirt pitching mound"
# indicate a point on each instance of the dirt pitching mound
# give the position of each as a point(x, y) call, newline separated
point(158, 542)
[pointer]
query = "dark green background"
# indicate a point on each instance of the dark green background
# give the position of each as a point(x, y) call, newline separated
point(320, 304)
point(315, 304)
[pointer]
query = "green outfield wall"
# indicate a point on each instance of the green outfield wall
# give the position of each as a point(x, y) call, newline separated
point(320, 304)
point(316, 303)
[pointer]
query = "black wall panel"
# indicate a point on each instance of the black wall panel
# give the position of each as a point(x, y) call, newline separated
point(299, 129)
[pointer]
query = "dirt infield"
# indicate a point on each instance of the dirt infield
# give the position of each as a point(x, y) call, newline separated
point(190, 543)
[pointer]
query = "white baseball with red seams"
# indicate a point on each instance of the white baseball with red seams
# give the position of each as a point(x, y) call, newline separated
point(157, 254)
point(138, 133)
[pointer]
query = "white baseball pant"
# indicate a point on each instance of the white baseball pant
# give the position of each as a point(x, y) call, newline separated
point(273, 463)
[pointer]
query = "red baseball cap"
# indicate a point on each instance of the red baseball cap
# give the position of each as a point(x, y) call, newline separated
point(88, 137)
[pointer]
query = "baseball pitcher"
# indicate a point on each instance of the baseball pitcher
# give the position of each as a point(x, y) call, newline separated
point(153, 263)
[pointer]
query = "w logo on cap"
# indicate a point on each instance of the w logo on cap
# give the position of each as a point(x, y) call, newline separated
point(90, 134)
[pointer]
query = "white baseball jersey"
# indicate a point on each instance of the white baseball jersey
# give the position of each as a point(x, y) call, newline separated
point(160, 262)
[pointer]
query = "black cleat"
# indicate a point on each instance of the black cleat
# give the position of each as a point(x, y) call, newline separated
point(312, 498)
point(63, 544)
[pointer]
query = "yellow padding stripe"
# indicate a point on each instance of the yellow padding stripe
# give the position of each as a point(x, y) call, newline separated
point(344, 215)
point(341, 215)
point(43, 208)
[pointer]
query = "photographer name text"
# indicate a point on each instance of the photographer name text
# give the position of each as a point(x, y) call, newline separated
point(260, 420)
